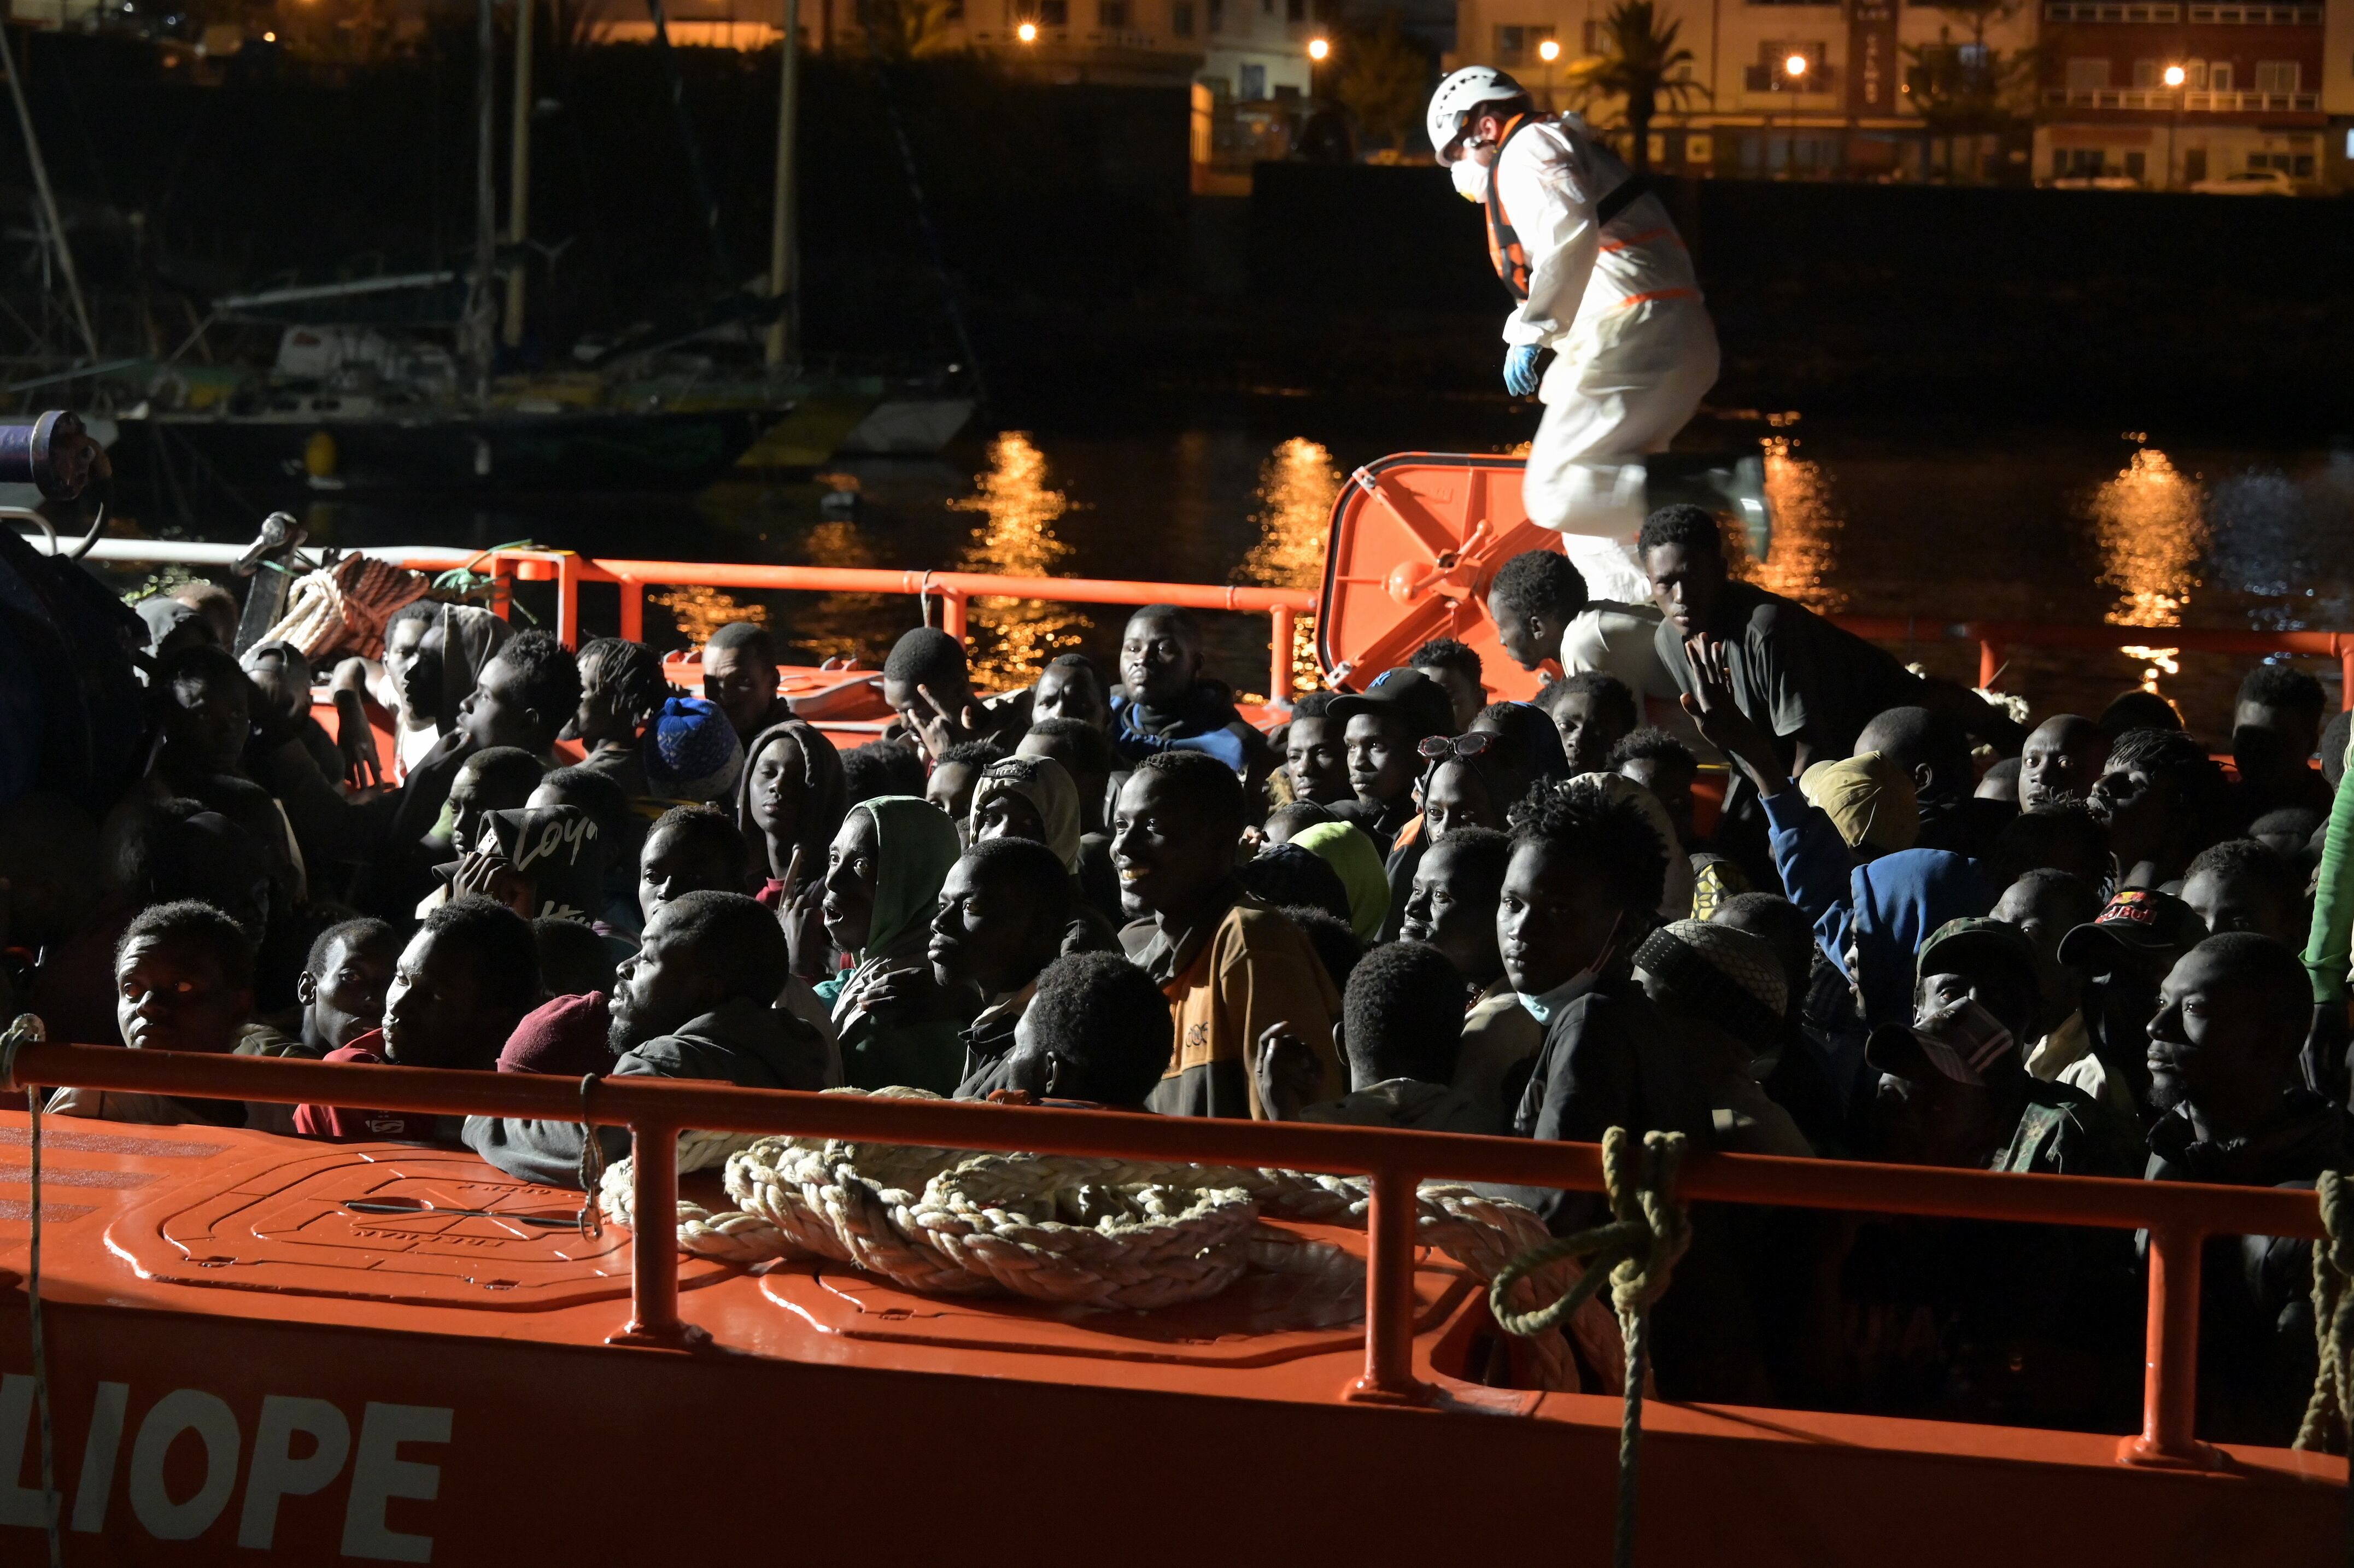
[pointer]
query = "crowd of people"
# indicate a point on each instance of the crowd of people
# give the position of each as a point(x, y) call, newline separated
point(1907, 928)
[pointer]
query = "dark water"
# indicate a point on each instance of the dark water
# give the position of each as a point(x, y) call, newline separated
point(2074, 527)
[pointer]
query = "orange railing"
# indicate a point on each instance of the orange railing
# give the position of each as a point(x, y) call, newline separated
point(956, 589)
point(2177, 1216)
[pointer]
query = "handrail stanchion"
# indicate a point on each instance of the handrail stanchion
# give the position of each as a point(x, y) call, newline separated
point(1990, 662)
point(633, 610)
point(568, 599)
point(2170, 1377)
point(653, 1253)
point(1389, 1293)
point(2345, 650)
point(1278, 654)
point(952, 613)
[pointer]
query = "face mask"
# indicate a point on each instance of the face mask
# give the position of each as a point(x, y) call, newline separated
point(1543, 1007)
point(1471, 177)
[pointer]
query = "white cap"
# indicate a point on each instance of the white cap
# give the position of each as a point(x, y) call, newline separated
point(1464, 90)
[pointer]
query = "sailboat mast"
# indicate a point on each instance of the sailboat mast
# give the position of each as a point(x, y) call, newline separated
point(48, 198)
point(519, 174)
point(480, 311)
point(784, 336)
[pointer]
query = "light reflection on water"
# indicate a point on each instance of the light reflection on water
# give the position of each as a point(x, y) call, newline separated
point(2150, 527)
point(1806, 524)
point(2041, 526)
point(839, 626)
point(1297, 487)
point(1009, 641)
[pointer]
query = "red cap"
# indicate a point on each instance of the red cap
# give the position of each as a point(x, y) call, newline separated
point(565, 1037)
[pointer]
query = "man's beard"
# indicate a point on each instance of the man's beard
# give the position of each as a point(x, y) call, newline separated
point(625, 1032)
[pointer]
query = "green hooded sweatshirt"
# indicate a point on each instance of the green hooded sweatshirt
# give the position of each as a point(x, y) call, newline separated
point(917, 845)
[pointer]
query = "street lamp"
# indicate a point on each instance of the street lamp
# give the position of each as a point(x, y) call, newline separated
point(1318, 49)
point(1793, 71)
point(1548, 50)
point(2175, 77)
point(1028, 32)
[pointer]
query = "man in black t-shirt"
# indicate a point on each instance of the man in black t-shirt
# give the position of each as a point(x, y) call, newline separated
point(1806, 683)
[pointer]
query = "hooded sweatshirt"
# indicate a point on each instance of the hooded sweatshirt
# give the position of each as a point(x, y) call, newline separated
point(471, 638)
point(825, 802)
point(1869, 919)
point(917, 844)
point(1349, 853)
point(1046, 784)
point(740, 1042)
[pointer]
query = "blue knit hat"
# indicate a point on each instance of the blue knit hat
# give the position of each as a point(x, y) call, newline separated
point(692, 752)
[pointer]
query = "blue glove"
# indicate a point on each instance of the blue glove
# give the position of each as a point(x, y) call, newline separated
point(1521, 375)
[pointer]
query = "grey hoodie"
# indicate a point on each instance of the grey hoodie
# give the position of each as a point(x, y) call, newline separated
point(741, 1042)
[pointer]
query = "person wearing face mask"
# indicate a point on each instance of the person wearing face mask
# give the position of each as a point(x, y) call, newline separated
point(1584, 877)
point(1603, 286)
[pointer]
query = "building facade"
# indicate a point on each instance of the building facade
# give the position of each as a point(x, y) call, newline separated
point(1775, 90)
point(2175, 93)
point(1861, 88)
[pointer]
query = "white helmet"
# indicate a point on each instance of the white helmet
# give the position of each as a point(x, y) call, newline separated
point(1464, 90)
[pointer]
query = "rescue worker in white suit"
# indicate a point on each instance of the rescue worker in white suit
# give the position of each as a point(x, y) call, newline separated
point(1601, 279)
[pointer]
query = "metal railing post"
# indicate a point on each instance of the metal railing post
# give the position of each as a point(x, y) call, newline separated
point(1990, 663)
point(653, 1253)
point(2170, 1377)
point(1389, 1293)
point(952, 613)
point(2345, 670)
point(633, 610)
point(568, 599)
point(1278, 654)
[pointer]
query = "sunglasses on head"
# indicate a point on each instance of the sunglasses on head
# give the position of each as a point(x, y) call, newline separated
point(1438, 746)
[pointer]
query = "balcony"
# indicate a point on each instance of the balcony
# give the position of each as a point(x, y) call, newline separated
point(2259, 15)
point(2190, 102)
point(2212, 15)
point(2102, 11)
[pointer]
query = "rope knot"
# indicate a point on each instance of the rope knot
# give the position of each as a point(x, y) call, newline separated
point(2324, 1427)
point(1635, 1253)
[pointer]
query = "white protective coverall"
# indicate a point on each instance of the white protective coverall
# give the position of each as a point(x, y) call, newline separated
point(1620, 307)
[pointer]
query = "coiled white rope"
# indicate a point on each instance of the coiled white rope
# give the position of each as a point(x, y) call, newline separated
point(1108, 1233)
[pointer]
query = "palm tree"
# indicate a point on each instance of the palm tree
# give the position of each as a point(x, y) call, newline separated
point(1384, 81)
point(1971, 90)
point(1641, 63)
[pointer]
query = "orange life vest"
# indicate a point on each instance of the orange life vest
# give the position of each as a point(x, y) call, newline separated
point(1504, 248)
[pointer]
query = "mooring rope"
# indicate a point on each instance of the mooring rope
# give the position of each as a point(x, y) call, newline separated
point(1636, 1255)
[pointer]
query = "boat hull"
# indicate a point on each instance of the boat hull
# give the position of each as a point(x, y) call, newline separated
point(243, 1366)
